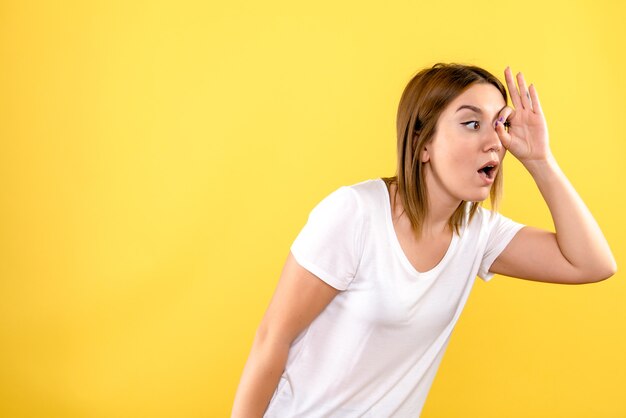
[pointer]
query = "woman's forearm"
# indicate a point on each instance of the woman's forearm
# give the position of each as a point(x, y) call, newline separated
point(578, 235)
point(260, 377)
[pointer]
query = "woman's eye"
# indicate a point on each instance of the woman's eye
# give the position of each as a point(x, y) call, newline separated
point(472, 124)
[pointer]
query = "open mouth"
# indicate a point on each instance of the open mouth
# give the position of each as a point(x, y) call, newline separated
point(488, 171)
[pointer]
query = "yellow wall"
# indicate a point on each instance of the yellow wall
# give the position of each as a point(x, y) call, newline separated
point(158, 158)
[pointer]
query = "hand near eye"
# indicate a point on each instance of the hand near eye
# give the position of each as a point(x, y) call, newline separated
point(527, 136)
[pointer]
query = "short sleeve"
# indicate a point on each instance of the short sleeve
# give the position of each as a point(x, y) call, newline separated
point(330, 243)
point(501, 231)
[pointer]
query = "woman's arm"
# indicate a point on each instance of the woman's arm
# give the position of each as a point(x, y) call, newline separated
point(299, 298)
point(577, 252)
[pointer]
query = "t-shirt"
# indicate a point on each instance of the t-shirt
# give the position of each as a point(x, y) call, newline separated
point(375, 349)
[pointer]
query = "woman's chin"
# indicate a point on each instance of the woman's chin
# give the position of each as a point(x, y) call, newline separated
point(477, 198)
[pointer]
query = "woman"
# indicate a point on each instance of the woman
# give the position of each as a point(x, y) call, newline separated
point(377, 278)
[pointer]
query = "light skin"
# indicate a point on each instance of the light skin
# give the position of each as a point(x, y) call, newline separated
point(466, 139)
point(577, 251)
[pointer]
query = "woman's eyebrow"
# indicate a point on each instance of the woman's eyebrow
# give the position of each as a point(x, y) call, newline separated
point(474, 108)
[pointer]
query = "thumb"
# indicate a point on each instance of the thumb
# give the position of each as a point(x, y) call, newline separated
point(504, 136)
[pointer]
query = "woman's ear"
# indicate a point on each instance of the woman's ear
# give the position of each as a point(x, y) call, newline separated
point(425, 156)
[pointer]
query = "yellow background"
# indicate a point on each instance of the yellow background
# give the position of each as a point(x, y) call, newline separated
point(158, 159)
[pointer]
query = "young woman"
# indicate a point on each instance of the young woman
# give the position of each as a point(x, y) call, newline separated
point(377, 278)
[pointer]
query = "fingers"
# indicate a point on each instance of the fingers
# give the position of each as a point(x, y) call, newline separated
point(535, 99)
point(522, 98)
point(505, 113)
point(505, 137)
point(523, 92)
point(510, 83)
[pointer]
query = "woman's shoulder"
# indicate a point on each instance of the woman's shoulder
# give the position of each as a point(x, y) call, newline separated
point(480, 219)
point(373, 194)
point(485, 219)
point(367, 186)
point(365, 193)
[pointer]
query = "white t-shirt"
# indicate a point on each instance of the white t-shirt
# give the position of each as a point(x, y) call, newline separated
point(375, 349)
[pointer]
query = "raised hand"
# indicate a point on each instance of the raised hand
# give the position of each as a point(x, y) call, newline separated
point(527, 135)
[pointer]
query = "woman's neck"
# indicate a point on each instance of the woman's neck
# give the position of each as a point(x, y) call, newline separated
point(437, 218)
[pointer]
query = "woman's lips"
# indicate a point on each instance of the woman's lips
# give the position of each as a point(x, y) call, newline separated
point(487, 179)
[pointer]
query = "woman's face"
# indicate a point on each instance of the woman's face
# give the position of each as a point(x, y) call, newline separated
point(464, 143)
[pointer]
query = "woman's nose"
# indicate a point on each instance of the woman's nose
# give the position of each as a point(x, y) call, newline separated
point(492, 142)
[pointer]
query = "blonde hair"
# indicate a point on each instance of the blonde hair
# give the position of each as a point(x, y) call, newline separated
point(424, 98)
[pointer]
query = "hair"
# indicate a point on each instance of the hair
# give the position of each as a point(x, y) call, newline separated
point(424, 98)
